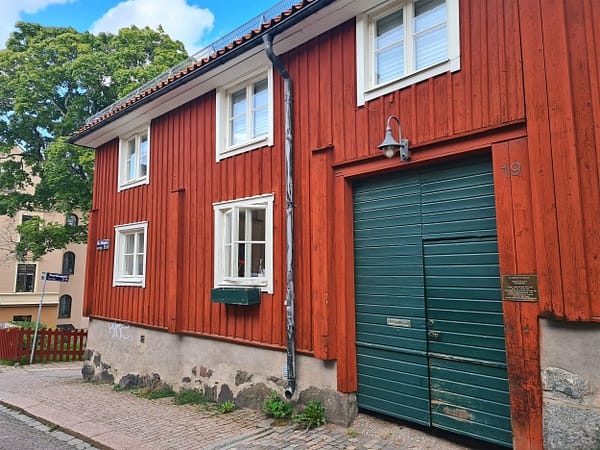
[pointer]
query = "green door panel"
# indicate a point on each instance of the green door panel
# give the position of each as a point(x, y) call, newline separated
point(429, 324)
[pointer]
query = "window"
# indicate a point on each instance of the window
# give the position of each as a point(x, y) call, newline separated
point(68, 265)
point(25, 218)
point(244, 242)
point(130, 255)
point(405, 42)
point(72, 220)
point(22, 318)
point(245, 115)
point(64, 306)
point(134, 159)
point(25, 277)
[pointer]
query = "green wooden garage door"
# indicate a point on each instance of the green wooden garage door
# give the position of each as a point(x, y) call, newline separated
point(429, 328)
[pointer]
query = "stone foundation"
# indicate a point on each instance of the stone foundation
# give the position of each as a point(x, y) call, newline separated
point(570, 360)
point(121, 353)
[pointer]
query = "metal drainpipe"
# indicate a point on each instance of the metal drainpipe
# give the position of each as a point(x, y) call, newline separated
point(289, 214)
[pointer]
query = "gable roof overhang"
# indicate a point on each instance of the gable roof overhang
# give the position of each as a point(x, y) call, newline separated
point(304, 21)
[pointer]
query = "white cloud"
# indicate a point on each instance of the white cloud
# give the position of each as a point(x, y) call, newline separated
point(11, 13)
point(179, 20)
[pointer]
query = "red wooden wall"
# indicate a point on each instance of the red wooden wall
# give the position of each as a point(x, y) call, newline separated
point(527, 90)
point(185, 180)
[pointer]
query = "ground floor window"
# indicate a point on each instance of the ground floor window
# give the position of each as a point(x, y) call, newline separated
point(130, 254)
point(244, 242)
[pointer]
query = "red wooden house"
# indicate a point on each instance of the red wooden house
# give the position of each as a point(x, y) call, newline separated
point(250, 234)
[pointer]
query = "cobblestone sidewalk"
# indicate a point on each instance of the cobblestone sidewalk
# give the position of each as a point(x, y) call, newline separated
point(57, 394)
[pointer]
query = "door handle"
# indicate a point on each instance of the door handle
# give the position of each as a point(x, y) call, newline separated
point(433, 334)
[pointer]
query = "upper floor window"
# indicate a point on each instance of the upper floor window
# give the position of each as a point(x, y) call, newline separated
point(130, 255)
point(25, 277)
point(244, 242)
point(72, 220)
point(245, 115)
point(134, 159)
point(64, 306)
point(405, 42)
point(68, 264)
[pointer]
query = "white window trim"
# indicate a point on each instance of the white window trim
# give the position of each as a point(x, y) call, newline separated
point(266, 284)
point(126, 280)
point(122, 184)
point(223, 149)
point(365, 89)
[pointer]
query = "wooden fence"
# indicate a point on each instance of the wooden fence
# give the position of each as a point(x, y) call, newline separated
point(51, 345)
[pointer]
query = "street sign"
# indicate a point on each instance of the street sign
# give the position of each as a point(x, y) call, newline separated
point(56, 277)
point(102, 244)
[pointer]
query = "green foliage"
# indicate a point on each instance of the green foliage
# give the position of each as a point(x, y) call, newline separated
point(163, 392)
point(226, 407)
point(352, 433)
point(51, 80)
point(276, 407)
point(313, 416)
point(24, 324)
point(187, 396)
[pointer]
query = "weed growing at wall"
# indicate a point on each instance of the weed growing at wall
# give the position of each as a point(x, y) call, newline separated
point(276, 407)
point(312, 417)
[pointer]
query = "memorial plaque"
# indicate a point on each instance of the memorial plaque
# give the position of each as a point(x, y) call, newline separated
point(520, 288)
point(403, 323)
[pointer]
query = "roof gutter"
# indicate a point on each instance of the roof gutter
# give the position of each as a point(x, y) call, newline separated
point(289, 217)
point(285, 23)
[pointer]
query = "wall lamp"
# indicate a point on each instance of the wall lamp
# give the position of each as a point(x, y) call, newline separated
point(389, 146)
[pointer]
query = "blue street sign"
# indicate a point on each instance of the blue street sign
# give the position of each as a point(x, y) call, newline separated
point(56, 277)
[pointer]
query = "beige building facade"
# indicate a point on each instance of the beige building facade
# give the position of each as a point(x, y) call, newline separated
point(21, 283)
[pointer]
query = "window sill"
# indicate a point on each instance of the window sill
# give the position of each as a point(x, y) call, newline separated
point(246, 147)
point(138, 282)
point(407, 80)
point(132, 184)
point(235, 296)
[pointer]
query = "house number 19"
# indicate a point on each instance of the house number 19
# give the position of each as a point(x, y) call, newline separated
point(514, 170)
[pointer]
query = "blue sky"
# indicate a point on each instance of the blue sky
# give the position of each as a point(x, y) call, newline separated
point(195, 22)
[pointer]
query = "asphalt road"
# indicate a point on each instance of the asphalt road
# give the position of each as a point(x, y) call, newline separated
point(20, 432)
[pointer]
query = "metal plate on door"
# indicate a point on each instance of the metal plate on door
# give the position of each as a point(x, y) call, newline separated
point(402, 323)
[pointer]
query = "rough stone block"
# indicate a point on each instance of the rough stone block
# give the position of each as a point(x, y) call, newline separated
point(565, 383)
point(225, 395)
point(570, 427)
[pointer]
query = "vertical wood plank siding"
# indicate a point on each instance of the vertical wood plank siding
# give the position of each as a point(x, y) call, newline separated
point(329, 129)
point(561, 64)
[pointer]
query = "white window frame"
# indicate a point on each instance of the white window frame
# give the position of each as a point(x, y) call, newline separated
point(224, 148)
point(124, 182)
point(120, 278)
point(365, 36)
point(264, 283)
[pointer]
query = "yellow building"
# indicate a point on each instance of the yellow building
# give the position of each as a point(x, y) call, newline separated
point(21, 282)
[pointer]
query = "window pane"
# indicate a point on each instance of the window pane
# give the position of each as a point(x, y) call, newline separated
point(389, 48)
point(238, 103)
point(390, 64)
point(241, 224)
point(131, 160)
point(260, 94)
point(429, 13)
point(261, 122)
point(143, 155)
point(431, 47)
point(139, 264)
point(258, 260)
point(228, 248)
point(258, 225)
point(129, 243)
point(128, 265)
point(140, 243)
point(241, 260)
point(389, 30)
point(238, 131)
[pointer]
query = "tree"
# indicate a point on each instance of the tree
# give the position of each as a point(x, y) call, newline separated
point(51, 80)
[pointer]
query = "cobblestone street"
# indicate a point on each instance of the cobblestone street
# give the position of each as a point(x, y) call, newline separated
point(56, 394)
